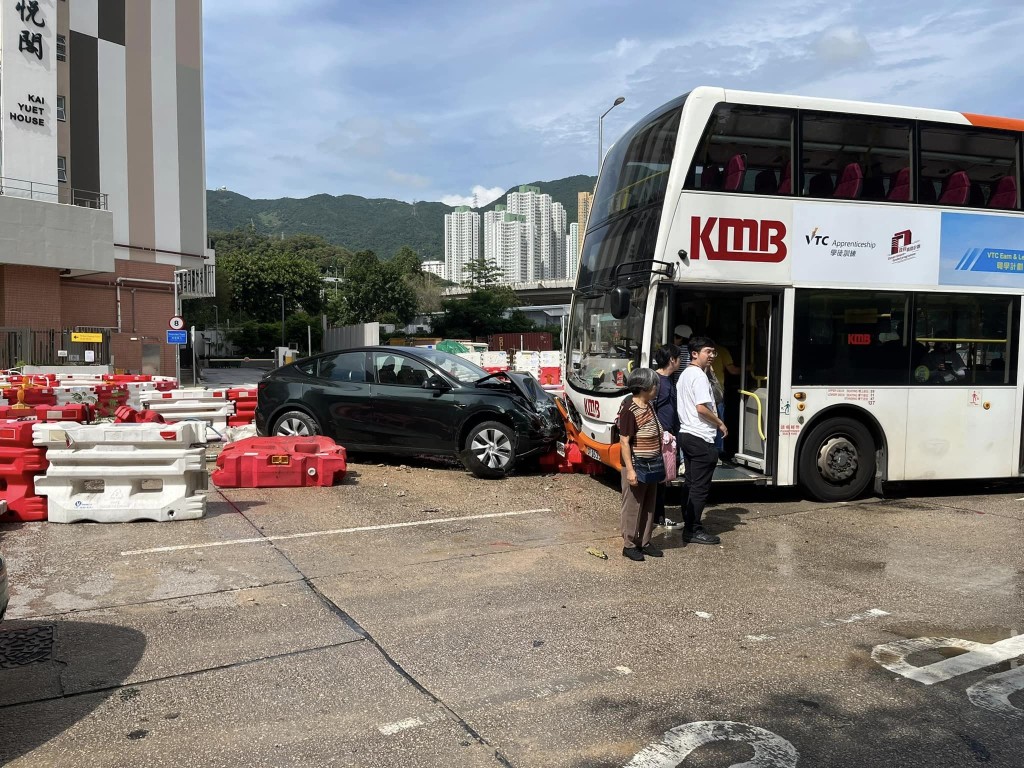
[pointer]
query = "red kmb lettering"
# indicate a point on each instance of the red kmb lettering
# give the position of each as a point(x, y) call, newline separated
point(738, 239)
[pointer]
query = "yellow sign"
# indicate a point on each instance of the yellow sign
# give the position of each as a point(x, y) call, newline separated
point(87, 337)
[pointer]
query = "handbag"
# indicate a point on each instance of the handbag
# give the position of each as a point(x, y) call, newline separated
point(649, 469)
point(669, 454)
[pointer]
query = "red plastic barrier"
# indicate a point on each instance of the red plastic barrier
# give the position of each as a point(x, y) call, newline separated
point(280, 462)
point(20, 462)
point(125, 414)
point(30, 396)
point(245, 407)
point(80, 412)
point(110, 397)
point(124, 378)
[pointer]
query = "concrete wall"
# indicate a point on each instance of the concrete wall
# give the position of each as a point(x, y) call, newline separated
point(45, 234)
point(348, 336)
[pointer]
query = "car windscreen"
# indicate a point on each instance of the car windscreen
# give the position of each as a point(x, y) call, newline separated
point(458, 368)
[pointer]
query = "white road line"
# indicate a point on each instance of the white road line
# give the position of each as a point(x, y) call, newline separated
point(871, 613)
point(334, 532)
point(390, 729)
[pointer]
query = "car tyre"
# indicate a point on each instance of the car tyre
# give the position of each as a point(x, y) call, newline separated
point(837, 460)
point(489, 450)
point(295, 424)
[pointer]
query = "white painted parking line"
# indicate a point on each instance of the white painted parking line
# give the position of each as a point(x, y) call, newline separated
point(993, 693)
point(390, 729)
point(871, 613)
point(893, 656)
point(334, 532)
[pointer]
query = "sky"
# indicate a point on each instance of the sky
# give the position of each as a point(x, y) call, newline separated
point(441, 101)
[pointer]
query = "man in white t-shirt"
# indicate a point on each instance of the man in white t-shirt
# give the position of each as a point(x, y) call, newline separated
point(699, 424)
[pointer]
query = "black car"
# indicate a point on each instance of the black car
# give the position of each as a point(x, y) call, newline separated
point(405, 400)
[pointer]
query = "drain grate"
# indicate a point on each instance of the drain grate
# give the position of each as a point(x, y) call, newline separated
point(31, 645)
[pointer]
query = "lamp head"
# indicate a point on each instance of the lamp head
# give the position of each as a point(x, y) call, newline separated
point(619, 101)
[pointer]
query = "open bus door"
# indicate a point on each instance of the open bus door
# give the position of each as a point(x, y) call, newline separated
point(755, 384)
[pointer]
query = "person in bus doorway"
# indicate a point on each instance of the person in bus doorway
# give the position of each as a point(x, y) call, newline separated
point(667, 362)
point(640, 443)
point(681, 338)
point(699, 424)
point(721, 364)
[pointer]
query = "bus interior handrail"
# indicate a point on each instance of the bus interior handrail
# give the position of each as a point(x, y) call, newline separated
point(760, 412)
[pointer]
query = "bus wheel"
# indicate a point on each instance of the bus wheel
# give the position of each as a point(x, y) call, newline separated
point(837, 460)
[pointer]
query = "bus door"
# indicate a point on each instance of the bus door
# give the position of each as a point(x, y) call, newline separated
point(755, 364)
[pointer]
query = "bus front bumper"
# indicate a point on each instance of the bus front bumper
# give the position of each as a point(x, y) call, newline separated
point(606, 454)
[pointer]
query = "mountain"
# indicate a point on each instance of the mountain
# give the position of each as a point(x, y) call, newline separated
point(358, 223)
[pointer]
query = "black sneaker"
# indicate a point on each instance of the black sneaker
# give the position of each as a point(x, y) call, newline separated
point(633, 553)
point(700, 537)
point(652, 551)
point(660, 523)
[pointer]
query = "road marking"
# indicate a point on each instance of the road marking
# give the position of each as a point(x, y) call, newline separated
point(536, 692)
point(893, 656)
point(871, 613)
point(770, 749)
point(334, 532)
point(993, 693)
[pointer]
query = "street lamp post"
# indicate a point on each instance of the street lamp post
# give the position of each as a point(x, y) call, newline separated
point(600, 132)
point(282, 318)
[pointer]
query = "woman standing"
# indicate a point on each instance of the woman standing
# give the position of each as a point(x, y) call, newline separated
point(666, 360)
point(642, 466)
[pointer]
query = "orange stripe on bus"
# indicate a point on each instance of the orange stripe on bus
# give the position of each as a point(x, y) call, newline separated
point(987, 121)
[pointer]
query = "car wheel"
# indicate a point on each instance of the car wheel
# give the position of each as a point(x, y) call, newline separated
point(295, 424)
point(837, 461)
point(490, 450)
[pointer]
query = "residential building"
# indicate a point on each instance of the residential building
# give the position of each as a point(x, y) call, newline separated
point(558, 267)
point(435, 268)
point(572, 250)
point(102, 179)
point(508, 236)
point(461, 241)
point(584, 201)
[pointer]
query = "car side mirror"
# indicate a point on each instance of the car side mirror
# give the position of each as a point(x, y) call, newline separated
point(437, 383)
point(619, 300)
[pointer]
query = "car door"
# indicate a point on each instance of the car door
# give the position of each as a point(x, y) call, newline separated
point(339, 394)
point(408, 416)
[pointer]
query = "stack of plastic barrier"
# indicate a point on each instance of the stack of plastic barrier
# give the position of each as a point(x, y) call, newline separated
point(209, 405)
point(550, 370)
point(125, 414)
point(495, 361)
point(115, 473)
point(28, 395)
point(20, 463)
point(571, 462)
point(245, 407)
point(80, 413)
point(280, 462)
point(528, 361)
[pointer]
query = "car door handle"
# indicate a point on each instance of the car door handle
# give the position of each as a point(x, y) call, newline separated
point(460, 405)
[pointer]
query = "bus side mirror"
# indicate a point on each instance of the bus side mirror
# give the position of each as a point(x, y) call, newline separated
point(619, 299)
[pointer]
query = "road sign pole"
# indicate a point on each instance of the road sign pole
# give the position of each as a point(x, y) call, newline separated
point(177, 350)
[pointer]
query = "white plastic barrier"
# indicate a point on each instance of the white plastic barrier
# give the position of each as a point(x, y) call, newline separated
point(209, 405)
point(136, 389)
point(116, 473)
point(551, 359)
point(495, 359)
point(528, 362)
point(476, 358)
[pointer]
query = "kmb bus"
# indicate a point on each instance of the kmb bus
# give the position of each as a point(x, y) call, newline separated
point(863, 263)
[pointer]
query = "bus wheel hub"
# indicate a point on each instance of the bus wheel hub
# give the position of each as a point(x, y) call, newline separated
point(837, 459)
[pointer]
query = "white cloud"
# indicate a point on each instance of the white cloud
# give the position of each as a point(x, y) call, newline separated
point(843, 44)
point(480, 197)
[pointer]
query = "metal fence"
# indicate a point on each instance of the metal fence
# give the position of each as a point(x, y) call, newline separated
point(52, 193)
point(349, 336)
point(25, 346)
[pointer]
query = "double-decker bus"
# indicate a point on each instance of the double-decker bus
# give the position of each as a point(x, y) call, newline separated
point(863, 263)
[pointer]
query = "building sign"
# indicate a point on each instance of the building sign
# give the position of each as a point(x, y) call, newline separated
point(28, 97)
point(982, 249)
point(88, 338)
point(865, 244)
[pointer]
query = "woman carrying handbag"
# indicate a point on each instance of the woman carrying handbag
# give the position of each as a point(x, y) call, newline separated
point(642, 465)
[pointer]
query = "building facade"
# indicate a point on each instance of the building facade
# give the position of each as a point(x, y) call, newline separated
point(102, 174)
point(584, 200)
point(461, 241)
point(435, 268)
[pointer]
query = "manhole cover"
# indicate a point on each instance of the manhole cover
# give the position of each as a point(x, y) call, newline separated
point(19, 647)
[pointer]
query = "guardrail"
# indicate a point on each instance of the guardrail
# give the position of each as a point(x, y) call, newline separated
point(34, 190)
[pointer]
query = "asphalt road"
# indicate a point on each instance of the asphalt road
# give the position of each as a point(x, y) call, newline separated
point(416, 616)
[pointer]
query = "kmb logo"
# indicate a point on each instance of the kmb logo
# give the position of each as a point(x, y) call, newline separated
point(722, 239)
point(592, 407)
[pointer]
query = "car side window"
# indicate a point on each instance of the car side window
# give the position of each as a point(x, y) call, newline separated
point(347, 366)
point(398, 369)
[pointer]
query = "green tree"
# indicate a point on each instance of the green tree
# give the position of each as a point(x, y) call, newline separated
point(483, 274)
point(407, 261)
point(373, 291)
point(428, 290)
point(257, 279)
point(482, 312)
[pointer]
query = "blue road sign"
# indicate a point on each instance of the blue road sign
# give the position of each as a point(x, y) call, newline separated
point(177, 337)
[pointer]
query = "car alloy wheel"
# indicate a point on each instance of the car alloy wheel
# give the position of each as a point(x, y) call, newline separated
point(296, 424)
point(492, 448)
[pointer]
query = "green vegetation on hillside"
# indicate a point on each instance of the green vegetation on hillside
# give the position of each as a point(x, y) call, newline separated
point(359, 224)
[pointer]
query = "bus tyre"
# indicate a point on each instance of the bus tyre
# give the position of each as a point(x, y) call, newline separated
point(490, 450)
point(837, 461)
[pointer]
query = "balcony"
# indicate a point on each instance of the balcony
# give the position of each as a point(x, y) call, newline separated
point(200, 283)
point(52, 193)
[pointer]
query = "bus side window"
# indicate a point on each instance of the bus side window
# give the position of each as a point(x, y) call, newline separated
point(971, 164)
point(744, 149)
point(852, 157)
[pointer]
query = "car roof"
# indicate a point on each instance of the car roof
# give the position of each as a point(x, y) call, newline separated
point(380, 348)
